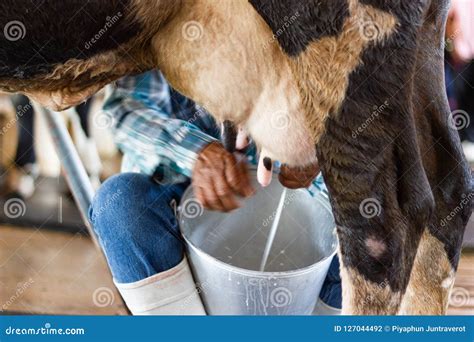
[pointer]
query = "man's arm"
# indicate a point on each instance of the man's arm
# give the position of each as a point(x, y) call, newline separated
point(150, 127)
point(160, 130)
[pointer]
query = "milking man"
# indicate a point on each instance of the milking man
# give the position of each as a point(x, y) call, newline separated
point(167, 141)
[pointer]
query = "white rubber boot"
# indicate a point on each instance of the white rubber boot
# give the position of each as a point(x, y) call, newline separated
point(172, 292)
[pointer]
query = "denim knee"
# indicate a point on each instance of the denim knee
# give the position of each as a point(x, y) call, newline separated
point(118, 199)
point(136, 226)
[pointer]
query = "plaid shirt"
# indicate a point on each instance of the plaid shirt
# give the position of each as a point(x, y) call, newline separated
point(159, 130)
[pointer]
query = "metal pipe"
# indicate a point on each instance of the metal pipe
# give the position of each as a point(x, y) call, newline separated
point(75, 173)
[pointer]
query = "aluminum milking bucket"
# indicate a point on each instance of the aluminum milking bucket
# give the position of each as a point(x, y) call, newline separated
point(225, 251)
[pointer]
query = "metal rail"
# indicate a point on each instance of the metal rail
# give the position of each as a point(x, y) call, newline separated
point(74, 171)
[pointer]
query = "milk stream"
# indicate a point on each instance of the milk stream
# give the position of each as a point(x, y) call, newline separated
point(273, 230)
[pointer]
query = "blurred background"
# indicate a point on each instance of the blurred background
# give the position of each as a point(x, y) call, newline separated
point(48, 263)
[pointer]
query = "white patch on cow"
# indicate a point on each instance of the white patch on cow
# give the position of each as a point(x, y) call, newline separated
point(375, 247)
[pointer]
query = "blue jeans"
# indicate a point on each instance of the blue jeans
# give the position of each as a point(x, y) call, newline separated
point(138, 231)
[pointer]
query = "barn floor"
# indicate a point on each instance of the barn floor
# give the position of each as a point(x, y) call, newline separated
point(48, 272)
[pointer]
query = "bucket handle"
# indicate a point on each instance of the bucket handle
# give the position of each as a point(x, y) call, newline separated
point(176, 208)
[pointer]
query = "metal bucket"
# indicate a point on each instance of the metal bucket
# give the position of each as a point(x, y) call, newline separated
point(225, 251)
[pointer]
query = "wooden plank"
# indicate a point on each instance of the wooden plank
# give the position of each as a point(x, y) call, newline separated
point(45, 272)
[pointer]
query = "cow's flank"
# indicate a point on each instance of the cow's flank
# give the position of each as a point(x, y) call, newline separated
point(55, 32)
point(61, 52)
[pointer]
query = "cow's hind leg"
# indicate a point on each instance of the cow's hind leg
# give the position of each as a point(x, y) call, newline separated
point(431, 279)
point(373, 279)
point(364, 297)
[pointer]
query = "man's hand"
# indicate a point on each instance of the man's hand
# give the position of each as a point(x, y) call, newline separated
point(218, 177)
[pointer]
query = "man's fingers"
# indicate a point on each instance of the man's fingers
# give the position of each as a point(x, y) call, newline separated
point(200, 196)
point(225, 193)
point(209, 200)
point(212, 200)
point(237, 177)
point(218, 178)
point(229, 203)
point(247, 187)
point(207, 195)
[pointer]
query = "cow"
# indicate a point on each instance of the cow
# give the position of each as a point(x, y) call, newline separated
point(356, 85)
